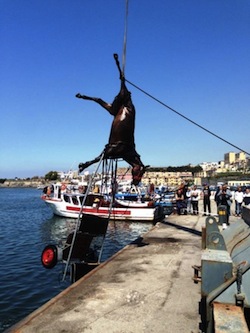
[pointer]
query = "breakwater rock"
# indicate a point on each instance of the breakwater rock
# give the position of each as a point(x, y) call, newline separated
point(23, 183)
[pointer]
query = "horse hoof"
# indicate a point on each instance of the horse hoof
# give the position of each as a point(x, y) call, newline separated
point(83, 96)
point(81, 167)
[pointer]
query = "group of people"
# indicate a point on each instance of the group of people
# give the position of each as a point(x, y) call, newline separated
point(187, 199)
point(223, 196)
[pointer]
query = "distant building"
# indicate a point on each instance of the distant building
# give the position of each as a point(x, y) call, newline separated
point(229, 158)
point(236, 161)
point(221, 167)
point(207, 166)
point(69, 175)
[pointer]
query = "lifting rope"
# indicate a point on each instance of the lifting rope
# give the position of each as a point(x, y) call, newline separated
point(125, 39)
point(186, 118)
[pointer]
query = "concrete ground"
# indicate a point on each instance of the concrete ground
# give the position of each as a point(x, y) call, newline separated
point(146, 287)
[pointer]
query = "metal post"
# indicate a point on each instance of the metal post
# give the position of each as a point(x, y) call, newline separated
point(79, 220)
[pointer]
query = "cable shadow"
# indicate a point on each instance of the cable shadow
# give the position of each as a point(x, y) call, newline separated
point(181, 227)
point(139, 242)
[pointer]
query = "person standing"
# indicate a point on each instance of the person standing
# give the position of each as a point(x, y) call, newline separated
point(179, 197)
point(206, 200)
point(183, 187)
point(188, 195)
point(238, 197)
point(195, 196)
point(219, 188)
point(224, 198)
point(246, 198)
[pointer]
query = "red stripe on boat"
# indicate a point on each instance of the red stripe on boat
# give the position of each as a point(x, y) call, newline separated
point(99, 211)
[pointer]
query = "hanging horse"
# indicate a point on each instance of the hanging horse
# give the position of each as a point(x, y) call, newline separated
point(121, 142)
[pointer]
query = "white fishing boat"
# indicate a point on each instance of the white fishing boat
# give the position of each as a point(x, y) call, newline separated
point(72, 203)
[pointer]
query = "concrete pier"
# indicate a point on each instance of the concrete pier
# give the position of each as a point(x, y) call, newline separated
point(146, 287)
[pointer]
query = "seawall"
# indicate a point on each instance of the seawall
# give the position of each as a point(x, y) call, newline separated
point(146, 287)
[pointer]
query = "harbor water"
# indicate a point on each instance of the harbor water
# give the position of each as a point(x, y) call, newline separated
point(26, 227)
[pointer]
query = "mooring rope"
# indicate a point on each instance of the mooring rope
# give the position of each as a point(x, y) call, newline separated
point(186, 118)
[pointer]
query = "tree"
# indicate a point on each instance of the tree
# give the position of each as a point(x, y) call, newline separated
point(184, 168)
point(52, 175)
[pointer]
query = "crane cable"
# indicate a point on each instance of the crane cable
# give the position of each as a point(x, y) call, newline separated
point(125, 39)
point(156, 99)
point(188, 119)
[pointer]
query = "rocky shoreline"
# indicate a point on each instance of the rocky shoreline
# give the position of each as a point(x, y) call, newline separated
point(22, 183)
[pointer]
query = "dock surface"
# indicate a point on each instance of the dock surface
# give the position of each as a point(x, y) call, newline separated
point(146, 287)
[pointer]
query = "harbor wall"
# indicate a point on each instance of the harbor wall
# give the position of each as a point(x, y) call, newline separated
point(146, 287)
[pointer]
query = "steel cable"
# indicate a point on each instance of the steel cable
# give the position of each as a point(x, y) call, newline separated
point(186, 118)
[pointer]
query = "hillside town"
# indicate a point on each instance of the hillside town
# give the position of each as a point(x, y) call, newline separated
point(233, 169)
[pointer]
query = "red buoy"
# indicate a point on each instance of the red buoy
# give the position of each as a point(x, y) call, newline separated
point(49, 256)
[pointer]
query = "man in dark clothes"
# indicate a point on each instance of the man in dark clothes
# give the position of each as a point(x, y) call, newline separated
point(224, 198)
point(206, 200)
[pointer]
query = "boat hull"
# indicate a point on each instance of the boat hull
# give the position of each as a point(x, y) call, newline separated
point(64, 209)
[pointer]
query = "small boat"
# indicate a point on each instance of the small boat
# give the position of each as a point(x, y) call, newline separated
point(40, 187)
point(71, 204)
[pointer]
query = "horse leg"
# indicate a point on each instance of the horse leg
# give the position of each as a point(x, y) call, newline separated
point(133, 158)
point(138, 168)
point(119, 68)
point(85, 165)
point(99, 101)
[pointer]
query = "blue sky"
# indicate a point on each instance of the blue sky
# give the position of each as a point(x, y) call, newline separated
point(192, 55)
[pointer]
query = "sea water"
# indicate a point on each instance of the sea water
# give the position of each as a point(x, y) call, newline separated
point(26, 227)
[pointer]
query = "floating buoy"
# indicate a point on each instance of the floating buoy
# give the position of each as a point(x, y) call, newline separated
point(49, 256)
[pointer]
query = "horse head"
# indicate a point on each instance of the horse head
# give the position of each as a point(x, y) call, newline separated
point(137, 173)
